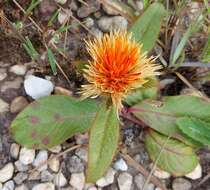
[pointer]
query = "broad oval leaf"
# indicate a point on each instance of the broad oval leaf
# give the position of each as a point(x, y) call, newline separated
point(103, 142)
point(52, 120)
point(146, 28)
point(195, 128)
point(163, 116)
point(176, 158)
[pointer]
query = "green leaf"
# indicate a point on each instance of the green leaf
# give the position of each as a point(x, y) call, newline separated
point(52, 60)
point(103, 142)
point(191, 29)
point(52, 120)
point(146, 28)
point(149, 91)
point(176, 158)
point(195, 128)
point(162, 116)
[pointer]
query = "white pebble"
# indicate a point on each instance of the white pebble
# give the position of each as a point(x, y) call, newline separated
point(125, 181)
point(60, 180)
point(6, 172)
point(40, 158)
point(62, 17)
point(14, 150)
point(44, 186)
point(77, 180)
point(37, 87)
point(62, 2)
point(10, 185)
point(196, 173)
point(107, 179)
point(55, 149)
point(18, 69)
point(161, 174)
point(120, 165)
point(54, 164)
point(21, 187)
point(26, 155)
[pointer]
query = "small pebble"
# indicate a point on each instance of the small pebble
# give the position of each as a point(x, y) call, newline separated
point(107, 179)
point(62, 2)
point(75, 164)
point(125, 181)
point(63, 16)
point(27, 155)
point(89, 22)
point(40, 158)
point(108, 24)
point(181, 184)
point(140, 180)
point(120, 165)
point(62, 91)
point(22, 187)
point(13, 84)
point(10, 185)
point(77, 181)
point(54, 164)
point(55, 149)
point(60, 180)
point(6, 172)
point(81, 138)
point(161, 174)
point(20, 178)
point(37, 87)
point(108, 9)
point(44, 186)
point(34, 175)
point(46, 176)
point(4, 106)
point(18, 104)
point(3, 74)
point(196, 173)
point(14, 150)
point(20, 166)
point(18, 69)
point(82, 153)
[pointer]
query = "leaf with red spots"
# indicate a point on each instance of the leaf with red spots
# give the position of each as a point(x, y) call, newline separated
point(52, 120)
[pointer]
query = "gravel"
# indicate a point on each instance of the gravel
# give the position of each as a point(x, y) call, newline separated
point(107, 179)
point(77, 181)
point(120, 165)
point(125, 181)
point(27, 155)
point(181, 184)
point(40, 158)
point(6, 172)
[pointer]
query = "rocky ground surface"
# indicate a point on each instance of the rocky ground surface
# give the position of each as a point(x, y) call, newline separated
point(17, 79)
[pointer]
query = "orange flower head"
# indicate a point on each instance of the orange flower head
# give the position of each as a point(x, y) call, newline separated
point(117, 67)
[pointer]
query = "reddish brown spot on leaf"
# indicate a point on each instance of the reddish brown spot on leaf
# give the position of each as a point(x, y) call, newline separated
point(34, 119)
point(45, 140)
point(34, 134)
point(57, 116)
point(35, 105)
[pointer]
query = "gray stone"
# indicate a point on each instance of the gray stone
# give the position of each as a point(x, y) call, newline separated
point(15, 84)
point(107, 24)
point(40, 158)
point(6, 172)
point(75, 164)
point(44, 186)
point(96, 32)
point(109, 9)
point(89, 22)
point(107, 179)
point(120, 165)
point(4, 106)
point(14, 150)
point(82, 153)
point(18, 69)
point(55, 149)
point(85, 10)
point(181, 184)
point(9, 185)
point(125, 181)
point(20, 178)
point(22, 187)
point(3, 74)
point(27, 155)
point(34, 175)
point(140, 180)
point(60, 180)
point(46, 176)
point(62, 2)
point(18, 104)
point(77, 180)
point(20, 166)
